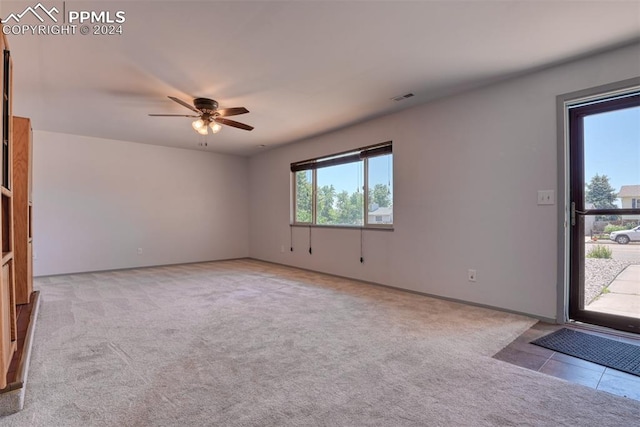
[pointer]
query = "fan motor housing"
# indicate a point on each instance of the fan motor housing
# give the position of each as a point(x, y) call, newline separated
point(205, 105)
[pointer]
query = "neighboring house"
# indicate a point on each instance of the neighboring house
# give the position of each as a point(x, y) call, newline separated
point(381, 215)
point(629, 196)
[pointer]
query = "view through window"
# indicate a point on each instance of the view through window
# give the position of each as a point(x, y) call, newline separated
point(349, 189)
point(612, 240)
point(604, 153)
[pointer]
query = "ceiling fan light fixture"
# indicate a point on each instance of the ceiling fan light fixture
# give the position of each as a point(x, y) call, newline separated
point(198, 125)
point(215, 127)
point(209, 116)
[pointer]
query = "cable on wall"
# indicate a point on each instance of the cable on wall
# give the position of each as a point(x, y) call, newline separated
point(362, 246)
point(291, 237)
point(310, 252)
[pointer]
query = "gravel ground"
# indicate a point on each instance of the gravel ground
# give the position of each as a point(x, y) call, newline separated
point(599, 273)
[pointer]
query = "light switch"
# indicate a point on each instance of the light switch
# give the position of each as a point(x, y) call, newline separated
point(546, 197)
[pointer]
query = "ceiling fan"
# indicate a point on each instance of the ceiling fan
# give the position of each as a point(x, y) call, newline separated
point(209, 117)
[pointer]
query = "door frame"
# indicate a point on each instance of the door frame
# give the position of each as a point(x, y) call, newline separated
point(563, 103)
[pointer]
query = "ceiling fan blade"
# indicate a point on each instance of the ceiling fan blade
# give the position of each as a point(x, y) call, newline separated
point(233, 123)
point(226, 112)
point(172, 115)
point(184, 104)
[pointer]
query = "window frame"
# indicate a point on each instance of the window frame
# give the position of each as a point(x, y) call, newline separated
point(346, 157)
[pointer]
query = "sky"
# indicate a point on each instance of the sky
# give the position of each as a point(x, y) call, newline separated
point(349, 176)
point(612, 147)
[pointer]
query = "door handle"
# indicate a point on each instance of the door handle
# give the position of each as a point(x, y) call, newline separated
point(574, 211)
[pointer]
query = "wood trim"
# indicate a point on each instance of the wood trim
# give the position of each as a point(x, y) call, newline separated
point(6, 257)
point(21, 173)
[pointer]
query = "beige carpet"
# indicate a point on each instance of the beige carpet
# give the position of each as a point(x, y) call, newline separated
point(245, 343)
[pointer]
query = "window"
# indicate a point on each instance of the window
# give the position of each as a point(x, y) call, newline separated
point(380, 180)
point(347, 189)
point(304, 196)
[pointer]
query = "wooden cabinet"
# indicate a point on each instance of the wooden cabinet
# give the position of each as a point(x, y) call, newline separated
point(8, 329)
point(22, 240)
point(18, 302)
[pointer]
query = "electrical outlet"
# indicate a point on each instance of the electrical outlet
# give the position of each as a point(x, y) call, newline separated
point(35, 256)
point(139, 251)
point(472, 275)
point(281, 248)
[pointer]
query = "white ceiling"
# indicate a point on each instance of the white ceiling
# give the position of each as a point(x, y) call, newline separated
point(301, 67)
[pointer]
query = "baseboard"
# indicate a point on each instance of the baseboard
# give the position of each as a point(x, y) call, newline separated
point(504, 310)
point(139, 267)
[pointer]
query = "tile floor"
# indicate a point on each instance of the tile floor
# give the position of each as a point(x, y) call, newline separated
point(522, 353)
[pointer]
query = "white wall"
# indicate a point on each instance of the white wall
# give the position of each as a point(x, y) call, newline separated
point(96, 201)
point(466, 173)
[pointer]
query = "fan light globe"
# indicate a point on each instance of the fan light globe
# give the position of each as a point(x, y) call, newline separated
point(215, 127)
point(198, 124)
point(203, 131)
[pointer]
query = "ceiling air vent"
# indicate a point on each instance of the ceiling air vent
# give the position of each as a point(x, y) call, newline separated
point(402, 97)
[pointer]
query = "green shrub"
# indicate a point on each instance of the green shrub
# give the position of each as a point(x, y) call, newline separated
point(610, 228)
point(599, 251)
